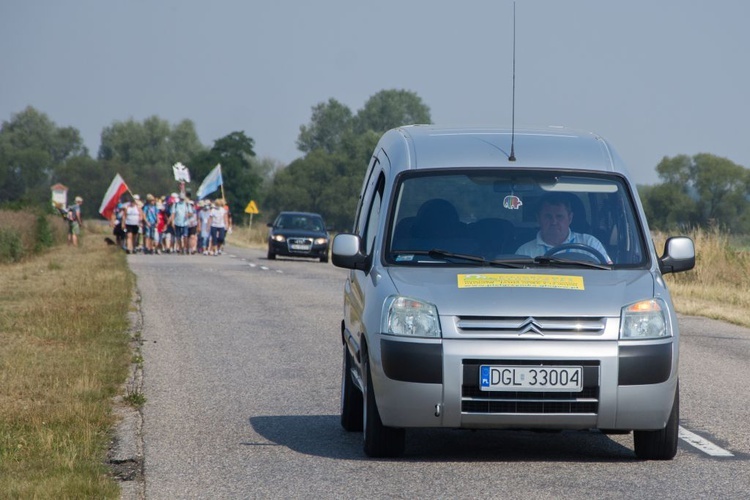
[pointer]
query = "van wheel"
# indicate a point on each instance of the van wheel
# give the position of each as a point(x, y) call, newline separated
point(380, 441)
point(660, 445)
point(351, 397)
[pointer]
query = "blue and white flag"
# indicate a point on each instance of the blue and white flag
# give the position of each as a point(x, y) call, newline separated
point(211, 183)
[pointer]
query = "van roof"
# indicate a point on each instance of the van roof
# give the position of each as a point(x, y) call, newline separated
point(430, 146)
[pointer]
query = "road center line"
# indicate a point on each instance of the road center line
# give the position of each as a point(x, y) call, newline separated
point(702, 444)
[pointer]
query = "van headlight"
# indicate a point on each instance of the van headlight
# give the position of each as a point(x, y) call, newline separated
point(644, 320)
point(411, 318)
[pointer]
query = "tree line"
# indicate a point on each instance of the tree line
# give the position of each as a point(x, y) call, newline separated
point(335, 146)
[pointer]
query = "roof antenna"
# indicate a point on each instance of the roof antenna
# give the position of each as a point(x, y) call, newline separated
point(512, 156)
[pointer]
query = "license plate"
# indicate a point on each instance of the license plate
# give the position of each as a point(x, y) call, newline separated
point(300, 247)
point(531, 378)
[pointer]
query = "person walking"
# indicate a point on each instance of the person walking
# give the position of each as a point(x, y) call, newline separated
point(219, 224)
point(161, 228)
point(191, 221)
point(74, 221)
point(204, 226)
point(132, 216)
point(178, 220)
point(151, 221)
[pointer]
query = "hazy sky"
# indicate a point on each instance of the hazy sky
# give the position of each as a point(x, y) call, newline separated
point(656, 78)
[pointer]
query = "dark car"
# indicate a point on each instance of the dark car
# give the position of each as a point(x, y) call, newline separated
point(298, 234)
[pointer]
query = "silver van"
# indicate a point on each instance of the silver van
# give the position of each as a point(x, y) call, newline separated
point(491, 290)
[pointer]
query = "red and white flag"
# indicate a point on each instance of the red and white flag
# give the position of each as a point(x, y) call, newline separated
point(112, 196)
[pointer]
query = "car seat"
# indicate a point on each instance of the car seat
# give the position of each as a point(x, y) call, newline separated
point(493, 236)
point(437, 218)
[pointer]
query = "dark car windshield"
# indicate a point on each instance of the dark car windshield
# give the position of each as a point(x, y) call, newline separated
point(551, 218)
point(305, 222)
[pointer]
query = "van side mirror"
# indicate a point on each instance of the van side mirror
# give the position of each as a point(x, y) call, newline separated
point(346, 252)
point(679, 255)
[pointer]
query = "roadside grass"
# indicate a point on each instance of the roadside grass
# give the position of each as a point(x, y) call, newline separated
point(64, 355)
point(245, 236)
point(719, 286)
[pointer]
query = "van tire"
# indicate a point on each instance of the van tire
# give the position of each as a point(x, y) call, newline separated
point(379, 441)
point(662, 444)
point(352, 404)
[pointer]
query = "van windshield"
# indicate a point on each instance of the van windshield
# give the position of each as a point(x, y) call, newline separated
point(515, 218)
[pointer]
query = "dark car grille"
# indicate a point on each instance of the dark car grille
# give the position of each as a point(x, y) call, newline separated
point(299, 244)
point(474, 400)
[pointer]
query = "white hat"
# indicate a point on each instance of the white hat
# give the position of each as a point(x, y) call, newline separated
point(136, 197)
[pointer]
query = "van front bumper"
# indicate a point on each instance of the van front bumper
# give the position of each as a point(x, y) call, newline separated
point(435, 384)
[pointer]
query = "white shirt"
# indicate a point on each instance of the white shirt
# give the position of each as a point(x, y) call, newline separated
point(538, 246)
point(217, 217)
point(132, 215)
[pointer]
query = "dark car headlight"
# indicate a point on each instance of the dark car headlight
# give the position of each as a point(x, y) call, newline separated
point(321, 241)
point(278, 237)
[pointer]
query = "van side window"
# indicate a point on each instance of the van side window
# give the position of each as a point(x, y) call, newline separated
point(371, 169)
point(373, 216)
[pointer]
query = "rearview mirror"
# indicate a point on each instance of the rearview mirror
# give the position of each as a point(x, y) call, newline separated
point(679, 255)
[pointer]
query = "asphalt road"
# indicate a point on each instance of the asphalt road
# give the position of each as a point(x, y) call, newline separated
point(242, 362)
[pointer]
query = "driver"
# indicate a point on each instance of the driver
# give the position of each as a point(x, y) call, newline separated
point(555, 216)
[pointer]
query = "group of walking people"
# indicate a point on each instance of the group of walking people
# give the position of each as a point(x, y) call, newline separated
point(171, 224)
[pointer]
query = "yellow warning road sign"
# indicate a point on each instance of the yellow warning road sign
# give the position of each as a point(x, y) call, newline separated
point(252, 208)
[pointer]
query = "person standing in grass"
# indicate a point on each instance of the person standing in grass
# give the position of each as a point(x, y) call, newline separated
point(74, 221)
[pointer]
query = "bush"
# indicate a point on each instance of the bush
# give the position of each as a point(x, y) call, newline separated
point(11, 246)
point(44, 236)
point(28, 231)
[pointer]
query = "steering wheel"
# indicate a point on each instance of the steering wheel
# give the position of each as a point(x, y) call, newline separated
point(577, 246)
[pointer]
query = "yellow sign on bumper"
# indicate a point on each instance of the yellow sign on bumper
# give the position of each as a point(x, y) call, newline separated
point(520, 281)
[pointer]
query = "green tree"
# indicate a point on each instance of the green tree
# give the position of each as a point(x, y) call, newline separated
point(702, 190)
point(150, 148)
point(338, 149)
point(668, 207)
point(722, 188)
point(241, 182)
point(31, 148)
point(391, 108)
point(328, 127)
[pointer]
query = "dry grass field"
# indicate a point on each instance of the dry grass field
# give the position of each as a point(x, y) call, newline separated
point(63, 357)
point(719, 286)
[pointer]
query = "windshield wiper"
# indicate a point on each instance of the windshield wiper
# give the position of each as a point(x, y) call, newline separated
point(437, 253)
point(546, 261)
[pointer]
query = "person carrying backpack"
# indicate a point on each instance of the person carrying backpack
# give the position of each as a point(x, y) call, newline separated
point(73, 217)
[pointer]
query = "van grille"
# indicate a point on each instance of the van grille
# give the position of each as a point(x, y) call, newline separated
point(474, 400)
point(579, 326)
